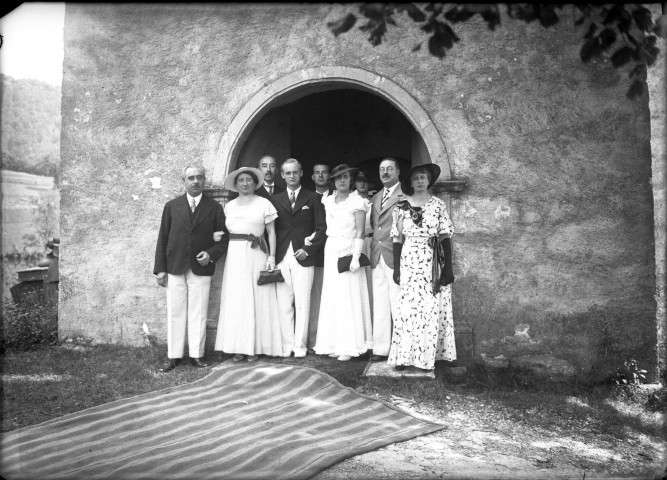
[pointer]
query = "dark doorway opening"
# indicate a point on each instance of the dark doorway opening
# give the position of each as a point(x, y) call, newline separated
point(334, 126)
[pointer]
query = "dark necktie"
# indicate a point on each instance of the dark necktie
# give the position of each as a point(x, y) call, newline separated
point(269, 188)
point(292, 199)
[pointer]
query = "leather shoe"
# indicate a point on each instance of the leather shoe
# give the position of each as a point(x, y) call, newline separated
point(168, 366)
point(378, 358)
point(399, 367)
point(196, 362)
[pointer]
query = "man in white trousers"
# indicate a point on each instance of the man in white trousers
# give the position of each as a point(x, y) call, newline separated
point(300, 233)
point(185, 258)
point(385, 291)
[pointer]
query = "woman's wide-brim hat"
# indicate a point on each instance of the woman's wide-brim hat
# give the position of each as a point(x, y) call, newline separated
point(231, 178)
point(338, 170)
point(432, 168)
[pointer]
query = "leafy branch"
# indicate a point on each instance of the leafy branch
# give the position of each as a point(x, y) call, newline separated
point(627, 30)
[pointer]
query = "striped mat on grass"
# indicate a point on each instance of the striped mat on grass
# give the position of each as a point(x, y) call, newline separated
point(250, 421)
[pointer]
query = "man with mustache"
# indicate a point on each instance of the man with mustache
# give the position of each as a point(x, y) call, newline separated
point(385, 291)
point(185, 258)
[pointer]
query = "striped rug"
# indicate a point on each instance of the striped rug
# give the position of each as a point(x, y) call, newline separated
point(251, 421)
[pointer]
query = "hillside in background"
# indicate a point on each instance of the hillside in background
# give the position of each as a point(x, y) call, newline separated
point(30, 126)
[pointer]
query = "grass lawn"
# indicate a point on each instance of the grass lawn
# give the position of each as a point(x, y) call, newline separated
point(46, 383)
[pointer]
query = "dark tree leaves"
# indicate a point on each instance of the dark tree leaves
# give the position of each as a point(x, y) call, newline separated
point(636, 89)
point(622, 56)
point(412, 10)
point(342, 25)
point(443, 38)
point(547, 15)
point(642, 17)
point(638, 71)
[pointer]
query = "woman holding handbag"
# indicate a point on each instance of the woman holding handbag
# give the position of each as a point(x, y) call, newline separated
point(421, 232)
point(344, 328)
point(248, 325)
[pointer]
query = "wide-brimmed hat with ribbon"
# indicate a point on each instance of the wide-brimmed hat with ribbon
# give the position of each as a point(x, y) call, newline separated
point(231, 178)
point(433, 170)
point(338, 170)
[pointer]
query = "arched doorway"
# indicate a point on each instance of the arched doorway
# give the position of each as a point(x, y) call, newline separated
point(339, 114)
point(331, 127)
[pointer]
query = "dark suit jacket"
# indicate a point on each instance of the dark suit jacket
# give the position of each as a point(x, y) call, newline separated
point(182, 237)
point(261, 191)
point(319, 256)
point(308, 217)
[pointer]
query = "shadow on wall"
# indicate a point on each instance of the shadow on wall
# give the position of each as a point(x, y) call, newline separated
point(589, 345)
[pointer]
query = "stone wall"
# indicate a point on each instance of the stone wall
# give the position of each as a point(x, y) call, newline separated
point(554, 229)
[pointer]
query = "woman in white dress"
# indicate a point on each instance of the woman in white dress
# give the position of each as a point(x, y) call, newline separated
point(344, 328)
point(248, 325)
point(421, 231)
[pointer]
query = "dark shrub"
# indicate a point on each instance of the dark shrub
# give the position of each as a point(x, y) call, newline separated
point(25, 327)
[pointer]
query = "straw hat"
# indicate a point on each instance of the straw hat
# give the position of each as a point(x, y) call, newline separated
point(231, 178)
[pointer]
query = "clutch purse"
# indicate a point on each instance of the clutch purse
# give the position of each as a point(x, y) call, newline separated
point(266, 276)
point(344, 262)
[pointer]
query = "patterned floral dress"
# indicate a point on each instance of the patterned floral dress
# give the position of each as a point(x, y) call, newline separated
point(424, 329)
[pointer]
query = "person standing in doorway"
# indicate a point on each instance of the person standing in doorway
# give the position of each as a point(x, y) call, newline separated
point(363, 184)
point(385, 291)
point(185, 258)
point(300, 218)
point(267, 165)
point(323, 189)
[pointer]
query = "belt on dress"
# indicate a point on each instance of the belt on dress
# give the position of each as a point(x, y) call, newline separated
point(255, 241)
point(437, 261)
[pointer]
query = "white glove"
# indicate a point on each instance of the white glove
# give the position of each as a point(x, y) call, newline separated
point(356, 253)
point(270, 263)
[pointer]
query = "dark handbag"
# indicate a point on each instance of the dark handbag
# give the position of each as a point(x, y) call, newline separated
point(266, 276)
point(344, 262)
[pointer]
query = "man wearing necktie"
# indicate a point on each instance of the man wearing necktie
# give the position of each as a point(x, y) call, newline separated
point(300, 217)
point(267, 164)
point(185, 258)
point(385, 291)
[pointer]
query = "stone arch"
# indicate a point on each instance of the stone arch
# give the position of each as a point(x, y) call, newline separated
point(303, 82)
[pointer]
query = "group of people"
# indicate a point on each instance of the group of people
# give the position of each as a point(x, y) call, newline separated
point(360, 273)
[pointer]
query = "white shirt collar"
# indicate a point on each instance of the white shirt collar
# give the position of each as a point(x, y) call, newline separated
point(197, 199)
point(296, 192)
point(391, 189)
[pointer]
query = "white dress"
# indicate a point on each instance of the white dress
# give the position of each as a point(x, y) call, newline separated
point(249, 322)
point(344, 326)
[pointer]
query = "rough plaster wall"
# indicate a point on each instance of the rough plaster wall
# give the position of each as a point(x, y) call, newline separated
point(557, 215)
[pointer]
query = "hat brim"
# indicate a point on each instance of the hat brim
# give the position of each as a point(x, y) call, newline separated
point(338, 174)
point(433, 169)
point(231, 178)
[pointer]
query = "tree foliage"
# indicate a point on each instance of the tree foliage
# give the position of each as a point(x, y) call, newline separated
point(30, 126)
point(625, 33)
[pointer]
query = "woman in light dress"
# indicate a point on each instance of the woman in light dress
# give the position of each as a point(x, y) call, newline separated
point(248, 325)
point(344, 328)
point(421, 231)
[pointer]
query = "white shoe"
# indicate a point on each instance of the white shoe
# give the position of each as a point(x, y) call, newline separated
point(344, 358)
point(333, 355)
point(299, 354)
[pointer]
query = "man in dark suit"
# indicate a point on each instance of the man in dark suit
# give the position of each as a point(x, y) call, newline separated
point(185, 258)
point(323, 188)
point(300, 218)
point(267, 164)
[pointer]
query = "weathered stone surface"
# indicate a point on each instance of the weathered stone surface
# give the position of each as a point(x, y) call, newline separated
point(557, 215)
point(545, 365)
point(499, 361)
